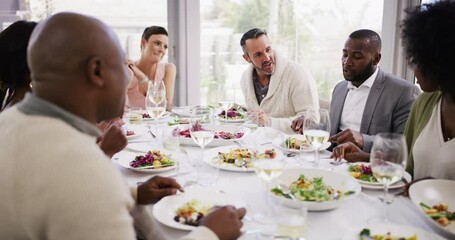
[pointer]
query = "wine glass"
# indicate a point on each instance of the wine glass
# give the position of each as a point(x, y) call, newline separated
point(388, 162)
point(201, 131)
point(155, 101)
point(225, 100)
point(316, 128)
point(267, 170)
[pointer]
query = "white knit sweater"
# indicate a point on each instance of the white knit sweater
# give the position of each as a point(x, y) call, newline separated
point(55, 183)
point(292, 90)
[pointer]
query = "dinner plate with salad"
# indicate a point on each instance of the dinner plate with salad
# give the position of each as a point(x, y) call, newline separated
point(292, 143)
point(184, 211)
point(238, 159)
point(153, 161)
point(361, 171)
point(233, 116)
point(224, 134)
point(435, 201)
point(318, 189)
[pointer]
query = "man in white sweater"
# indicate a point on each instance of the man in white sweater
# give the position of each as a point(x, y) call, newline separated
point(55, 182)
point(275, 88)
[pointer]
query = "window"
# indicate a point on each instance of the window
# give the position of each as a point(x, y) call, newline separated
point(310, 32)
point(128, 20)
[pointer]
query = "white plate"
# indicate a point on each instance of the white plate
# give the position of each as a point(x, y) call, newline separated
point(211, 158)
point(128, 157)
point(164, 210)
point(335, 180)
point(183, 111)
point(138, 131)
point(222, 120)
point(432, 192)
point(283, 147)
point(395, 230)
point(215, 142)
point(161, 119)
point(376, 185)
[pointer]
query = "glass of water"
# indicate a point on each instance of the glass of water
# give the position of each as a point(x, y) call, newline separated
point(291, 221)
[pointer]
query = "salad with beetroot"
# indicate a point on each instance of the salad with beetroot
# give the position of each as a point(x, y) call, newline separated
point(198, 127)
point(232, 114)
point(153, 159)
point(362, 172)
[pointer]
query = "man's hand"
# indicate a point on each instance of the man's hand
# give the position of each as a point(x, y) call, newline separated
point(263, 119)
point(225, 222)
point(348, 135)
point(152, 190)
point(350, 152)
point(113, 140)
point(297, 124)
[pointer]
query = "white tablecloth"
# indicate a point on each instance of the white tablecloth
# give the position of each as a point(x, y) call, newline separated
point(333, 224)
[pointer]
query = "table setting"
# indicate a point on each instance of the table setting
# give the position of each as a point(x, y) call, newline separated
point(216, 174)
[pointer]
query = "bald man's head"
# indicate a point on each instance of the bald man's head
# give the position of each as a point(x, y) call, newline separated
point(71, 54)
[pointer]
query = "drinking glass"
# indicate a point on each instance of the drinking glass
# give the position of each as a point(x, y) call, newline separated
point(225, 99)
point(291, 221)
point(201, 131)
point(316, 128)
point(388, 162)
point(267, 170)
point(155, 101)
point(251, 121)
point(134, 115)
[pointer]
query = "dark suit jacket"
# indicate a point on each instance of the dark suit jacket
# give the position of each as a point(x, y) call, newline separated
point(386, 110)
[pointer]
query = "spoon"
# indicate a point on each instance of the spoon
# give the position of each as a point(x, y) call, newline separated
point(286, 191)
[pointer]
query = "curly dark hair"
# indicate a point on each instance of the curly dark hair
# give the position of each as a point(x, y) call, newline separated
point(428, 34)
point(14, 72)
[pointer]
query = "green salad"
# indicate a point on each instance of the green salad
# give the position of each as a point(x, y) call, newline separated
point(313, 190)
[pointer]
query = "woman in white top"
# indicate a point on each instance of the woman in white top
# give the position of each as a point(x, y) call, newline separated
point(430, 128)
point(149, 67)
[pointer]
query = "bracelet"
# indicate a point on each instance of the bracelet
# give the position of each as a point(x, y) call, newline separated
point(145, 80)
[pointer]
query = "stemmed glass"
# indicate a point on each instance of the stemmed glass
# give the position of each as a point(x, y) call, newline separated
point(267, 170)
point(388, 161)
point(201, 131)
point(155, 101)
point(316, 128)
point(225, 100)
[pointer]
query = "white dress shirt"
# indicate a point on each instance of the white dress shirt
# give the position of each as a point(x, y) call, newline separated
point(354, 104)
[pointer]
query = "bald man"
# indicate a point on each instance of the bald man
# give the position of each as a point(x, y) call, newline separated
point(55, 182)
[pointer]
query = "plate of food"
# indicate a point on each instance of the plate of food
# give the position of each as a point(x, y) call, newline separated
point(178, 121)
point(233, 116)
point(147, 118)
point(153, 161)
point(133, 132)
point(361, 171)
point(292, 143)
point(238, 159)
point(183, 111)
point(435, 200)
point(390, 232)
point(224, 134)
point(318, 189)
point(183, 211)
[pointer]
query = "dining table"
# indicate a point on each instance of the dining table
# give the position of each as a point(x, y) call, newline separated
point(332, 224)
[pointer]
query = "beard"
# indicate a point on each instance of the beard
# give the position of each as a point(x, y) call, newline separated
point(364, 75)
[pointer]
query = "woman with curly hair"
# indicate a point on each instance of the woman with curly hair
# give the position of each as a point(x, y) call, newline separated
point(14, 72)
point(428, 34)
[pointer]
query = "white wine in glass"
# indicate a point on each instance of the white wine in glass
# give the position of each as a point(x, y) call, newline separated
point(155, 101)
point(388, 162)
point(267, 170)
point(316, 128)
point(202, 133)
